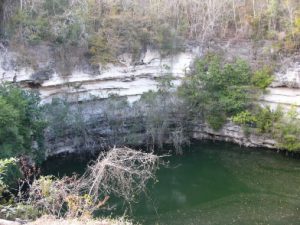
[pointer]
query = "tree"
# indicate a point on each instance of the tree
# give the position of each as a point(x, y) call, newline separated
point(216, 92)
point(21, 123)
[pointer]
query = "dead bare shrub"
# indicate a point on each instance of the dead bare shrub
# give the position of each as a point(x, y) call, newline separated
point(121, 172)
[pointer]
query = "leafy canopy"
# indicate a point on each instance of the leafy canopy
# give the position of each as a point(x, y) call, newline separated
point(218, 91)
point(21, 123)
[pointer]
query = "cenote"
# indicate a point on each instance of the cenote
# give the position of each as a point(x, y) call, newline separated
point(214, 183)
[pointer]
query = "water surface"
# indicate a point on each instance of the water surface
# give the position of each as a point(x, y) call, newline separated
point(218, 183)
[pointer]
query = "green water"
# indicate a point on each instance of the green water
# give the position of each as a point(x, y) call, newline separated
point(218, 183)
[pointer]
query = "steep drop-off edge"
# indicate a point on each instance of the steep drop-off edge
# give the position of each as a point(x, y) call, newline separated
point(132, 81)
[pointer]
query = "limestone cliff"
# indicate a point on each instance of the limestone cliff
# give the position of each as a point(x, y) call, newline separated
point(132, 79)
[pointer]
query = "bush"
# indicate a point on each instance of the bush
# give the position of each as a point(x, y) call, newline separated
point(28, 28)
point(21, 123)
point(262, 78)
point(266, 119)
point(283, 127)
point(59, 118)
point(287, 131)
point(9, 175)
point(164, 117)
point(244, 118)
point(167, 40)
point(75, 196)
point(217, 91)
point(100, 50)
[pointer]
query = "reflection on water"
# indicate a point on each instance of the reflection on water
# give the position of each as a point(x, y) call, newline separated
point(218, 183)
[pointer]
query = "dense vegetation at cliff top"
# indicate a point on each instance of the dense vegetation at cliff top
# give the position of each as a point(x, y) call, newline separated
point(102, 30)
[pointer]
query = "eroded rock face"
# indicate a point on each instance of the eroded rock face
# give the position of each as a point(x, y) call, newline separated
point(125, 79)
point(132, 79)
point(235, 134)
point(283, 96)
point(289, 78)
point(7, 222)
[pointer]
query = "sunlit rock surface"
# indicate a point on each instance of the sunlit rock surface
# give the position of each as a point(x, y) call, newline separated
point(133, 79)
point(123, 79)
point(233, 133)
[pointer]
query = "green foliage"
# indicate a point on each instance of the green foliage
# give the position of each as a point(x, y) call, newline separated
point(46, 21)
point(9, 175)
point(266, 119)
point(287, 131)
point(244, 118)
point(108, 29)
point(130, 26)
point(149, 96)
point(283, 127)
point(21, 123)
point(262, 78)
point(168, 40)
point(100, 50)
point(31, 29)
point(216, 120)
point(65, 120)
point(218, 91)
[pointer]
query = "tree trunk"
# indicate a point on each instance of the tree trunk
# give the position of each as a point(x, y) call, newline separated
point(1, 17)
point(253, 7)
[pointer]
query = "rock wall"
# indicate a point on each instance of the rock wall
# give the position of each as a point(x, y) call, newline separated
point(132, 80)
point(124, 79)
point(284, 91)
point(233, 133)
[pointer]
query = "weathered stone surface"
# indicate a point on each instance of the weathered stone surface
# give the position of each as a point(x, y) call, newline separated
point(124, 79)
point(131, 79)
point(233, 133)
point(41, 75)
point(7, 222)
point(289, 78)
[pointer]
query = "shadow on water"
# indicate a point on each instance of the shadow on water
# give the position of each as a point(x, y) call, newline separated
point(214, 183)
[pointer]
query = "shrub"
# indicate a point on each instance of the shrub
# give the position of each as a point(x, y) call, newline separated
point(266, 119)
point(283, 127)
point(28, 28)
point(9, 175)
point(80, 196)
point(244, 118)
point(164, 117)
point(21, 123)
point(217, 91)
point(167, 40)
point(48, 220)
point(287, 131)
point(216, 120)
point(100, 50)
point(262, 78)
